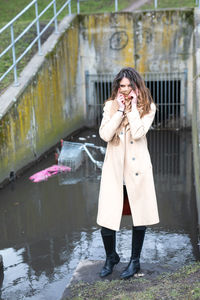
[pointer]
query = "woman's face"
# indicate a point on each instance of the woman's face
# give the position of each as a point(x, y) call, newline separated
point(125, 86)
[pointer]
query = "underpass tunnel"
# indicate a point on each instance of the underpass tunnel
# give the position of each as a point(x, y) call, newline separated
point(169, 92)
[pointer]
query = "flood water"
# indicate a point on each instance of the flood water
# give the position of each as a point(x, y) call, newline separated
point(48, 227)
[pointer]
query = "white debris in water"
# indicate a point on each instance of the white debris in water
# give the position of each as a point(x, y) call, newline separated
point(99, 164)
point(71, 155)
point(82, 138)
point(139, 275)
point(103, 150)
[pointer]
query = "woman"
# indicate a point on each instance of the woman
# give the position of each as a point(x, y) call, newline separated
point(127, 117)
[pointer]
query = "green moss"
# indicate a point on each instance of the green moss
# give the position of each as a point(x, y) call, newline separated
point(41, 104)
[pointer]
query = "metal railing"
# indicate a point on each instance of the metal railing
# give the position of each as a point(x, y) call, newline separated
point(36, 22)
point(169, 91)
point(37, 39)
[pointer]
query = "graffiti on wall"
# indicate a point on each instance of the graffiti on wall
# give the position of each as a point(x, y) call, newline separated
point(118, 40)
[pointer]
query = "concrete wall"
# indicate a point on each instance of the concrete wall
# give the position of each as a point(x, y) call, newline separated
point(196, 109)
point(52, 103)
point(47, 107)
point(151, 41)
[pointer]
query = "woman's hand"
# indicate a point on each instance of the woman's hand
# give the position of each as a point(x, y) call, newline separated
point(121, 101)
point(134, 94)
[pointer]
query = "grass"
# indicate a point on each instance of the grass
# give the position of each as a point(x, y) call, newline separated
point(10, 8)
point(6, 61)
point(181, 285)
point(170, 4)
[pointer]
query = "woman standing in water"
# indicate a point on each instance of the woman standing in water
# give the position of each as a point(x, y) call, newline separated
point(127, 167)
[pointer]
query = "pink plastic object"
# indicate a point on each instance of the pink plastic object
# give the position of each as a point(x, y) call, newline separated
point(46, 173)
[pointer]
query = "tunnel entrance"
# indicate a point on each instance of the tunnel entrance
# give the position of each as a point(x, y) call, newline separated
point(168, 90)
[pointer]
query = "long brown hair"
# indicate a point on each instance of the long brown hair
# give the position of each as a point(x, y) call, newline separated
point(136, 81)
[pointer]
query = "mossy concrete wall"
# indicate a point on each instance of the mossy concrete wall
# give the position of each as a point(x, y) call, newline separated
point(53, 103)
point(47, 108)
point(151, 41)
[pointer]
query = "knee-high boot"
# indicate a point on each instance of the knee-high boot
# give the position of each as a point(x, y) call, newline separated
point(112, 258)
point(133, 267)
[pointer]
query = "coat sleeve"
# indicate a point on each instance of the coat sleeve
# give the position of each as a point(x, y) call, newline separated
point(109, 124)
point(140, 126)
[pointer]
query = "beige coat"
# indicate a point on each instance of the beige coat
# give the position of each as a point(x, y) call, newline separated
point(129, 161)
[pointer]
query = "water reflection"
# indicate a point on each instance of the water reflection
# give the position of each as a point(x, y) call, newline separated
point(47, 228)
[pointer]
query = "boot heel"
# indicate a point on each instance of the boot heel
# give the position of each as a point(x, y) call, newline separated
point(109, 265)
point(132, 269)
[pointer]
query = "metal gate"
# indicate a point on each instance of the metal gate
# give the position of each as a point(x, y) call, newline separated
point(169, 91)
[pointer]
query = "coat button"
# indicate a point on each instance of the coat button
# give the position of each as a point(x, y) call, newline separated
point(133, 158)
point(131, 142)
point(136, 174)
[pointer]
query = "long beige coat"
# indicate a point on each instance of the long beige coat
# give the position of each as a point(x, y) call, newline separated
point(129, 162)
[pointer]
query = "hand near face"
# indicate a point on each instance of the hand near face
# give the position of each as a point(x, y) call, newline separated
point(134, 94)
point(121, 101)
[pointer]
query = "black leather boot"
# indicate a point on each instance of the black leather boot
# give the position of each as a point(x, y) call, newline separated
point(112, 258)
point(133, 267)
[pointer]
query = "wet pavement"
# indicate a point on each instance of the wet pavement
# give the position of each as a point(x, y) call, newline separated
point(47, 228)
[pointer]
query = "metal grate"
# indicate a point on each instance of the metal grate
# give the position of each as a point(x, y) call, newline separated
point(169, 91)
point(171, 155)
point(166, 148)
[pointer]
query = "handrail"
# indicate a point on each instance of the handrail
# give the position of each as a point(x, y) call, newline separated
point(36, 21)
point(17, 16)
point(39, 34)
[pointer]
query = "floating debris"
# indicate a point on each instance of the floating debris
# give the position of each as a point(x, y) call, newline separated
point(12, 176)
point(46, 173)
point(82, 139)
point(72, 154)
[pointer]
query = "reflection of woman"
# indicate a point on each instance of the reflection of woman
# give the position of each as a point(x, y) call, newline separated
point(127, 117)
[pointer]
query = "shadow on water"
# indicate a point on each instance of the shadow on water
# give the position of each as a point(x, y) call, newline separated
point(48, 227)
